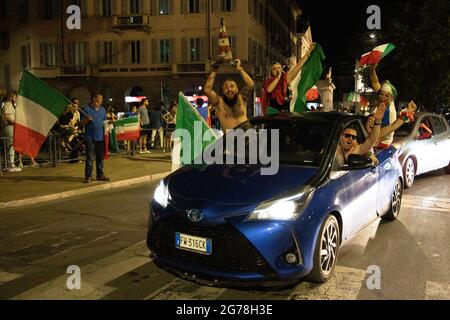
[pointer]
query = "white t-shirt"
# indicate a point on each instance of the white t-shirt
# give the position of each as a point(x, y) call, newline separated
point(8, 110)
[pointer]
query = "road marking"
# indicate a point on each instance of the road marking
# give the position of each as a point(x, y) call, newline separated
point(437, 291)
point(179, 289)
point(426, 203)
point(94, 277)
point(343, 285)
point(8, 277)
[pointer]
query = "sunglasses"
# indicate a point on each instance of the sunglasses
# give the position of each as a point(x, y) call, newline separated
point(350, 136)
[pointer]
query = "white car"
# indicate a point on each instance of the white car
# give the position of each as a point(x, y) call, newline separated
point(423, 150)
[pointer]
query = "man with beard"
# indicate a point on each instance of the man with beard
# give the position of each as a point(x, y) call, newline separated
point(231, 106)
point(348, 143)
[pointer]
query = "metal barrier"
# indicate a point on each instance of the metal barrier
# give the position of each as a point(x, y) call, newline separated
point(52, 153)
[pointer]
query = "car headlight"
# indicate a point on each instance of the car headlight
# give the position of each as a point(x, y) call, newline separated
point(162, 195)
point(283, 209)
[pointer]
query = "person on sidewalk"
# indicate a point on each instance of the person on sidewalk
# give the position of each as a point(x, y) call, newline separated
point(156, 124)
point(93, 118)
point(144, 121)
point(8, 120)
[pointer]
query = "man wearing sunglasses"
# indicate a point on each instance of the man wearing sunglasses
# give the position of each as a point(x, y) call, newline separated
point(348, 143)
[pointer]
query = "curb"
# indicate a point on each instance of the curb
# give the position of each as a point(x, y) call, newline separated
point(83, 191)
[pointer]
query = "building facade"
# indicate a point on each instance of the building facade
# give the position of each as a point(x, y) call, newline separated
point(155, 48)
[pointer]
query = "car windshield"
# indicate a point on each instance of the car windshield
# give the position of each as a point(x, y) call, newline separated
point(301, 142)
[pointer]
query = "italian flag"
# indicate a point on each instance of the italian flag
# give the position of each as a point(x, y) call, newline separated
point(127, 129)
point(190, 120)
point(374, 56)
point(38, 108)
point(354, 97)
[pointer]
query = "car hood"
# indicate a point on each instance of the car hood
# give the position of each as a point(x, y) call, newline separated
point(236, 185)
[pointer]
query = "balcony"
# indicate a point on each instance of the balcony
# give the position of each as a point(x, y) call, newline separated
point(132, 22)
point(67, 71)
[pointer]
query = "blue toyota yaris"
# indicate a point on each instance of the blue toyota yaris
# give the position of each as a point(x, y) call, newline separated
point(231, 223)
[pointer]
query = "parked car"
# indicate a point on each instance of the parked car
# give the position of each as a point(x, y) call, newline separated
point(421, 151)
point(229, 223)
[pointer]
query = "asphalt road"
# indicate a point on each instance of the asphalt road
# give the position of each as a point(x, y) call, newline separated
point(104, 235)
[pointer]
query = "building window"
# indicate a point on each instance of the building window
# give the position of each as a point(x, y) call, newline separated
point(4, 40)
point(25, 58)
point(3, 9)
point(23, 11)
point(106, 52)
point(48, 54)
point(135, 52)
point(135, 7)
point(48, 9)
point(163, 7)
point(165, 51)
point(78, 53)
point(194, 6)
point(106, 8)
point(226, 5)
point(194, 50)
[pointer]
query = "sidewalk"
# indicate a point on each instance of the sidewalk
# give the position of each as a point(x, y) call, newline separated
point(47, 183)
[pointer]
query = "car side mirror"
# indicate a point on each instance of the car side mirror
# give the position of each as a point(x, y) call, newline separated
point(358, 162)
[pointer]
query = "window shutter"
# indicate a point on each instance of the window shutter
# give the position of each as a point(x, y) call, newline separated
point(115, 49)
point(115, 7)
point(216, 6)
point(84, 8)
point(143, 51)
point(98, 5)
point(86, 53)
point(154, 7)
point(202, 6)
point(185, 50)
point(233, 43)
point(202, 49)
point(171, 50)
point(155, 51)
point(70, 49)
point(41, 55)
point(171, 7)
point(234, 5)
point(55, 9)
point(99, 51)
point(125, 7)
point(250, 7)
point(215, 49)
point(126, 52)
point(141, 7)
point(184, 6)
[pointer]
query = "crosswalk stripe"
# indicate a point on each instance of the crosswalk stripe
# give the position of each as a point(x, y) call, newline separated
point(345, 284)
point(180, 289)
point(437, 291)
point(93, 276)
point(8, 277)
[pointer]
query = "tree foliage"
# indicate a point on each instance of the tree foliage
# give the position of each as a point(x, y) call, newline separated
point(419, 67)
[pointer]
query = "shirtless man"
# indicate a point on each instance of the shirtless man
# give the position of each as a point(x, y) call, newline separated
point(231, 106)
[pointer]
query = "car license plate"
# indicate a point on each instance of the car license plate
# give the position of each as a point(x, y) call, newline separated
point(191, 243)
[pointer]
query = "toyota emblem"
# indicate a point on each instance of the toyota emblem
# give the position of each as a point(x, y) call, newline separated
point(194, 215)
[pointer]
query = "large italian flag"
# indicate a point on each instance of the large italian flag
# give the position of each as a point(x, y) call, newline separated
point(38, 108)
point(127, 129)
point(355, 97)
point(378, 53)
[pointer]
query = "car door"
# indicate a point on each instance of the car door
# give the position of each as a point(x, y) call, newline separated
point(359, 188)
point(424, 148)
point(441, 141)
point(387, 177)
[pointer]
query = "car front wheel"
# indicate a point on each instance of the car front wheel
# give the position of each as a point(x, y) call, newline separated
point(326, 251)
point(409, 172)
point(396, 203)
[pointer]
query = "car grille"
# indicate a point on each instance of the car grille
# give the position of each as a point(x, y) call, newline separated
point(231, 251)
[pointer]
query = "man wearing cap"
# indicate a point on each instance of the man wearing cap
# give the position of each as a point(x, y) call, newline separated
point(386, 94)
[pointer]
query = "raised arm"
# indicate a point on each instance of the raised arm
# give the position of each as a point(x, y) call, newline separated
point(376, 86)
point(212, 96)
point(247, 79)
point(370, 142)
point(294, 72)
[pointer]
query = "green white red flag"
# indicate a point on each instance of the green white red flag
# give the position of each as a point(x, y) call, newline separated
point(127, 129)
point(378, 53)
point(355, 97)
point(38, 108)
